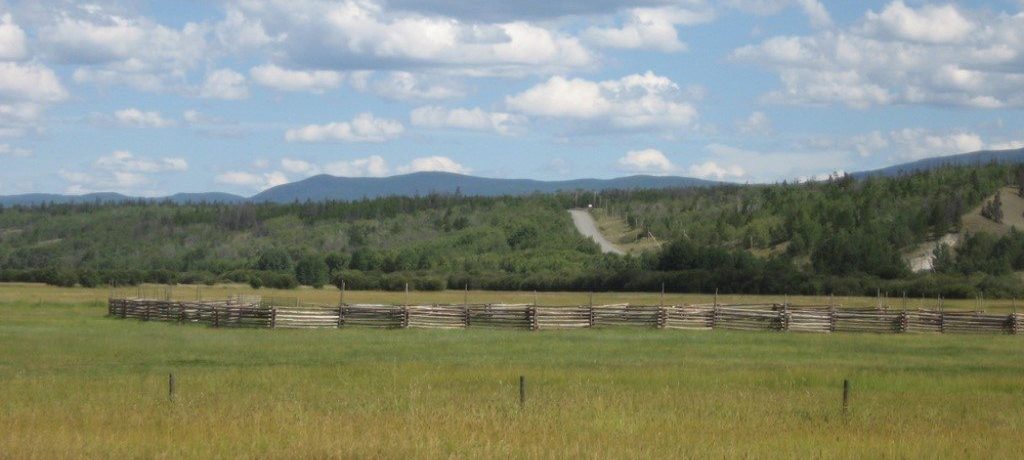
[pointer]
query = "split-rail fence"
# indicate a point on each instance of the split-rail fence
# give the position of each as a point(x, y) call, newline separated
point(256, 313)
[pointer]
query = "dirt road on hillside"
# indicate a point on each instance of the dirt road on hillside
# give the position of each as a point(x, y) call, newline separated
point(587, 227)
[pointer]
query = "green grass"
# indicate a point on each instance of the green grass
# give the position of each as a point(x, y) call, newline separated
point(616, 230)
point(77, 384)
point(39, 294)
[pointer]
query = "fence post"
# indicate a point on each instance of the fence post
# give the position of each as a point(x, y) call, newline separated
point(590, 315)
point(846, 396)
point(531, 317)
point(216, 317)
point(784, 317)
point(662, 317)
point(522, 391)
point(904, 322)
point(942, 317)
point(341, 315)
point(273, 317)
point(405, 317)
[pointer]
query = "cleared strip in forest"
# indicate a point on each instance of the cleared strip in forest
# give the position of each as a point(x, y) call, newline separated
point(585, 224)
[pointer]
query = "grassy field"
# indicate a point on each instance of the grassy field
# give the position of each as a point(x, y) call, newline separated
point(616, 230)
point(77, 384)
point(40, 294)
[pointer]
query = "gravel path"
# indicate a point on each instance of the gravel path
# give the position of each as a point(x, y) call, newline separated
point(585, 224)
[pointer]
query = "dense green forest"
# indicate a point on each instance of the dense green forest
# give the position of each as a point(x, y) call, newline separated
point(842, 236)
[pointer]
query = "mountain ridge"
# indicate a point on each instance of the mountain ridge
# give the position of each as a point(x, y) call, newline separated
point(324, 187)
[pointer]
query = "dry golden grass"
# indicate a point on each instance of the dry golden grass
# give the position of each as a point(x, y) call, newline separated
point(616, 230)
point(25, 293)
point(77, 384)
point(1013, 215)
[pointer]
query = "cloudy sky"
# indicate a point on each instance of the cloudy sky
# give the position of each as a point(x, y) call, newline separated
point(151, 98)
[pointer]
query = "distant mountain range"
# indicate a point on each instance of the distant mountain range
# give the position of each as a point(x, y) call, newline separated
point(963, 159)
point(30, 199)
point(324, 187)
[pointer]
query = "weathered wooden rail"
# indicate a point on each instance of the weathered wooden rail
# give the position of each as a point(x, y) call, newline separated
point(240, 312)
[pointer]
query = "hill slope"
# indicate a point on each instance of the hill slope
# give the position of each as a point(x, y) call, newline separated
point(963, 159)
point(324, 187)
point(32, 199)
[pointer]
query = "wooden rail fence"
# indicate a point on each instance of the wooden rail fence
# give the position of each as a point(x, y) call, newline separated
point(247, 312)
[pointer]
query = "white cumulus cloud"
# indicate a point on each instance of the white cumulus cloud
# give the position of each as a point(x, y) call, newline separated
point(114, 49)
point(372, 166)
point(315, 81)
point(12, 40)
point(925, 55)
point(7, 150)
point(433, 163)
point(474, 119)
point(29, 82)
point(650, 28)
point(255, 181)
point(711, 170)
point(929, 23)
point(363, 128)
point(137, 118)
point(638, 101)
point(122, 171)
point(365, 34)
point(756, 123)
point(224, 84)
point(648, 161)
point(128, 162)
point(407, 86)
point(301, 167)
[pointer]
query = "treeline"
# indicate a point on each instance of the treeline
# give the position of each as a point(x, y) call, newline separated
point(841, 236)
point(844, 225)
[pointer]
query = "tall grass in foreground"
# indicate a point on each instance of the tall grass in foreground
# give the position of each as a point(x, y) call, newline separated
point(76, 384)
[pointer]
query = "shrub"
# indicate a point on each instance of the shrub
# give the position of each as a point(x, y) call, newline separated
point(162, 276)
point(201, 277)
point(89, 279)
point(312, 271)
point(62, 277)
point(358, 280)
point(430, 283)
point(279, 280)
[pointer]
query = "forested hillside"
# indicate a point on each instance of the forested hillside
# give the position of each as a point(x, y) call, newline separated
point(843, 236)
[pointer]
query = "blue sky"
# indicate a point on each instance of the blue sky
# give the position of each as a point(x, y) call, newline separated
point(152, 98)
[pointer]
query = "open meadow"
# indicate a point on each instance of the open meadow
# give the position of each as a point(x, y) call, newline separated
point(78, 384)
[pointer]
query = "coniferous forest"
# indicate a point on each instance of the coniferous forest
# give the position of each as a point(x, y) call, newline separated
point(844, 236)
